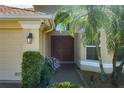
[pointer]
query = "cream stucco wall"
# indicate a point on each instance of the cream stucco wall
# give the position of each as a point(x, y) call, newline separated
point(92, 65)
point(106, 57)
point(13, 43)
point(9, 24)
point(31, 27)
point(35, 42)
point(11, 50)
point(77, 52)
point(44, 43)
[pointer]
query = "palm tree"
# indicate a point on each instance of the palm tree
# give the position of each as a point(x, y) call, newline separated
point(93, 23)
point(115, 35)
point(89, 17)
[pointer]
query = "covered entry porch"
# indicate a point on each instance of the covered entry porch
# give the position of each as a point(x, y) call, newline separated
point(61, 46)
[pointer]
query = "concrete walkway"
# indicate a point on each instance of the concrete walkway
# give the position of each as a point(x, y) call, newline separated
point(67, 72)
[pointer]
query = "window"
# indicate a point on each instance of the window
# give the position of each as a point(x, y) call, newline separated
point(91, 53)
point(120, 54)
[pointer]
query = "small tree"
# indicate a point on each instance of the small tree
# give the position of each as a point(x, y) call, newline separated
point(89, 17)
point(93, 23)
point(31, 69)
point(115, 36)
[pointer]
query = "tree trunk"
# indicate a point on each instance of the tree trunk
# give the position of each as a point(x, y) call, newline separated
point(98, 50)
point(114, 63)
point(114, 77)
point(99, 58)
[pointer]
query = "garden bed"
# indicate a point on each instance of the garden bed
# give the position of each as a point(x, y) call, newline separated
point(92, 79)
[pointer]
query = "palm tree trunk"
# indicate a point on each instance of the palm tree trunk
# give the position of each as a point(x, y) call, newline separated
point(99, 58)
point(98, 50)
point(114, 76)
point(114, 63)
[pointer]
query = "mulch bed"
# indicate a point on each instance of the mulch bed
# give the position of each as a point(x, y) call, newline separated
point(92, 78)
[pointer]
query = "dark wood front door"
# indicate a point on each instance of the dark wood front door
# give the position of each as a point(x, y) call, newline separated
point(62, 47)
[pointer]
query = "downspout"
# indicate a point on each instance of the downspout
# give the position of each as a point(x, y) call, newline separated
point(52, 26)
point(44, 33)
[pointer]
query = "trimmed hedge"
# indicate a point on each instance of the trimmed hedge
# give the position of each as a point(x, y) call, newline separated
point(31, 69)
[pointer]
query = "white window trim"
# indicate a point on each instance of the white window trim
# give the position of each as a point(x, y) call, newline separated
point(92, 45)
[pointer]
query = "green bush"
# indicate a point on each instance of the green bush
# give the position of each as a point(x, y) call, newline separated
point(64, 85)
point(46, 74)
point(31, 69)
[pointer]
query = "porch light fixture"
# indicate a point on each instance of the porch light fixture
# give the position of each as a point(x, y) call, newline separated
point(29, 38)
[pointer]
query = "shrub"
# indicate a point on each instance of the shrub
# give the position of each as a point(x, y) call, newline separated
point(46, 74)
point(53, 62)
point(31, 69)
point(64, 85)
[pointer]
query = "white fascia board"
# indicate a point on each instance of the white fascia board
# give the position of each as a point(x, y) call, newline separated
point(10, 17)
point(30, 24)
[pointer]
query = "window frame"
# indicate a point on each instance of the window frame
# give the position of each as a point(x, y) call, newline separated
point(86, 51)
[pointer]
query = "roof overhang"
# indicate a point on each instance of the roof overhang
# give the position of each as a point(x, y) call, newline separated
point(25, 17)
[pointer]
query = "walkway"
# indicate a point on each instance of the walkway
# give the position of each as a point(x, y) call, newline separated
point(67, 72)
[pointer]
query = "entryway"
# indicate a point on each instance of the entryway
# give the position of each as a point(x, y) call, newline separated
point(62, 48)
point(67, 73)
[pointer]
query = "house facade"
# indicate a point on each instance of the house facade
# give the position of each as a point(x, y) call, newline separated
point(84, 56)
point(16, 25)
